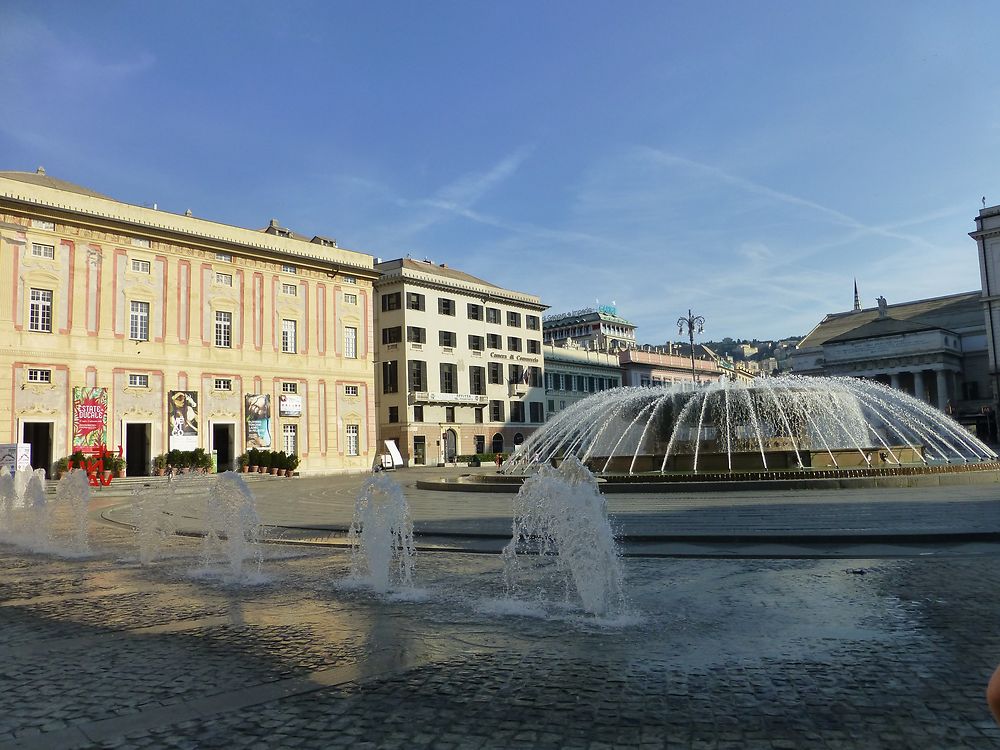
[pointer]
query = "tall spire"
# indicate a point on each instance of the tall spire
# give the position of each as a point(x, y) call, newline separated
point(857, 299)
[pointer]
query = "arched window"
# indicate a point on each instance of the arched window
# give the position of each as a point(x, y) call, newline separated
point(518, 438)
point(498, 443)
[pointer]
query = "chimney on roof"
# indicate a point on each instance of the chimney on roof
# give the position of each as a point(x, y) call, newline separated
point(273, 224)
point(188, 213)
point(41, 171)
point(443, 265)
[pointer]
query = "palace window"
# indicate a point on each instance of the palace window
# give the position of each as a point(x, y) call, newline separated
point(224, 279)
point(43, 251)
point(350, 342)
point(287, 269)
point(350, 279)
point(223, 384)
point(350, 390)
point(353, 431)
point(36, 375)
point(139, 321)
point(40, 310)
point(350, 299)
point(289, 387)
point(290, 438)
point(289, 335)
point(224, 257)
point(290, 289)
point(223, 329)
point(135, 380)
point(140, 266)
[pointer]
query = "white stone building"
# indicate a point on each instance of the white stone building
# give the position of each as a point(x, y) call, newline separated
point(459, 362)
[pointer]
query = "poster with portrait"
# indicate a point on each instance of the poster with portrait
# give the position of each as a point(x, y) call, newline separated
point(289, 405)
point(258, 420)
point(182, 419)
point(90, 418)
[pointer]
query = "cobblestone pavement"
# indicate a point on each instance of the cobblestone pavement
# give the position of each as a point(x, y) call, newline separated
point(100, 652)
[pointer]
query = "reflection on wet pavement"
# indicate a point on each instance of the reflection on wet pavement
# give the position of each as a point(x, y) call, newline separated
point(105, 652)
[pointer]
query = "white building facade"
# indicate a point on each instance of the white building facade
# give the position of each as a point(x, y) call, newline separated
point(459, 363)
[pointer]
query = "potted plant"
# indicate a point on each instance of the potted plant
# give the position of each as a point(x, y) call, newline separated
point(253, 460)
point(174, 461)
point(160, 464)
point(200, 461)
point(115, 465)
point(241, 461)
point(272, 463)
point(280, 463)
point(292, 465)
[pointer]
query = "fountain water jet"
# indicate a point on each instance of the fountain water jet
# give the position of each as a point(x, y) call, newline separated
point(73, 494)
point(152, 523)
point(561, 513)
point(233, 530)
point(381, 535)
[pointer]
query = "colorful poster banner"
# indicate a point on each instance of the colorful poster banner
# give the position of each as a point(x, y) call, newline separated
point(90, 418)
point(182, 418)
point(289, 405)
point(258, 420)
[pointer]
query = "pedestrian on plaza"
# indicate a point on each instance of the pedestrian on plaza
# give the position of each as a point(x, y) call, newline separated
point(499, 459)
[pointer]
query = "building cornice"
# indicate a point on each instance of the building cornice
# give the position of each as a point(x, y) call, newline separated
point(443, 283)
point(102, 214)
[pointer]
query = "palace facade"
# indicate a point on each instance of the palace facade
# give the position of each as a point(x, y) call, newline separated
point(150, 330)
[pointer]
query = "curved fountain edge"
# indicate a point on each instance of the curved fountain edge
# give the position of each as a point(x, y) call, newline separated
point(760, 481)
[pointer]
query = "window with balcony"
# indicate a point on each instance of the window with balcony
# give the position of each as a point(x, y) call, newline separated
point(40, 310)
point(446, 338)
point(392, 335)
point(449, 378)
point(138, 328)
point(477, 381)
point(417, 375)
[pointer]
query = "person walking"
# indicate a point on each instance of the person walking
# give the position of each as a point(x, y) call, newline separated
point(499, 459)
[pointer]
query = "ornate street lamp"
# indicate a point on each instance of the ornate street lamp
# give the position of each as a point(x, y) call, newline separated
point(693, 323)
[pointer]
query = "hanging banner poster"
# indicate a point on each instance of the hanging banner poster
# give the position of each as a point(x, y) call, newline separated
point(182, 418)
point(90, 418)
point(289, 405)
point(258, 419)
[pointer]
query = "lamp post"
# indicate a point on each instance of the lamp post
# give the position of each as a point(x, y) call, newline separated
point(692, 323)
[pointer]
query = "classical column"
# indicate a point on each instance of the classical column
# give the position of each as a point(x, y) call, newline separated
point(918, 385)
point(942, 389)
point(894, 380)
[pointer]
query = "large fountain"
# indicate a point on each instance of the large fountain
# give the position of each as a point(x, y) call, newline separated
point(785, 423)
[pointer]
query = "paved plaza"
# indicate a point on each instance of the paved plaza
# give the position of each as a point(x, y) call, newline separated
point(866, 645)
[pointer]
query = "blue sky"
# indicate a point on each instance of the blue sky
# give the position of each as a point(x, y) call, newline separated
point(745, 160)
